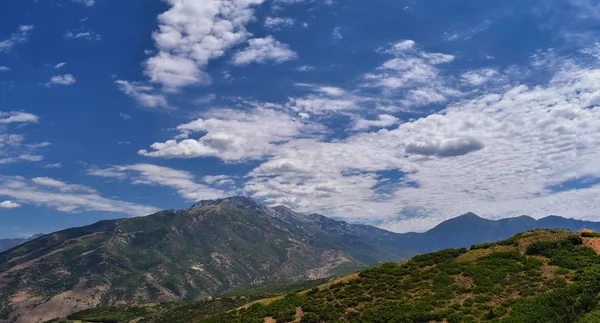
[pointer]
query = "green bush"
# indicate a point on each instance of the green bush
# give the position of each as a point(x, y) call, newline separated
point(590, 234)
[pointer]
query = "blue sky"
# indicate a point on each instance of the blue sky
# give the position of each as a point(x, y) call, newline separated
point(395, 113)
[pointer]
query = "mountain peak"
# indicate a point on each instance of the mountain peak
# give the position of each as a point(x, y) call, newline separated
point(469, 215)
point(244, 202)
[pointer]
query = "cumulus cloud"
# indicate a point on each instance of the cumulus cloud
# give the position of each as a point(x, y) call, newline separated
point(9, 205)
point(4, 69)
point(234, 135)
point(263, 50)
point(18, 37)
point(60, 65)
point(27, 191)
point(191, 33)
point(174, 72)
point(498, 153)
point(147, 174)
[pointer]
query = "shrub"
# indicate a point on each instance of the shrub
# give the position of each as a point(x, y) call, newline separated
point(438, 257)
point(590, 234)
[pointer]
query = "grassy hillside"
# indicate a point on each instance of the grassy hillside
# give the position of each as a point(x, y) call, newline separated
point(537, 276)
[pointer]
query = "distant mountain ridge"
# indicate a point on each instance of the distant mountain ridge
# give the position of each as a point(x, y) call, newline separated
point(211, 248)
point(6, 244)
point(469, 229)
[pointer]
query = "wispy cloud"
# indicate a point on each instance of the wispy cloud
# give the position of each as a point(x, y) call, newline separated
point(144, 95)
point(88, 3)
point(83, 34)
point(279, 22)
point(72, 198)
point(336, 34)
point(20, 36)
point(184, 182)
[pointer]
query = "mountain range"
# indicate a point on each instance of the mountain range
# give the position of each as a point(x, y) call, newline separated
point(549, 275)
point(212, 248)
point(6, 244)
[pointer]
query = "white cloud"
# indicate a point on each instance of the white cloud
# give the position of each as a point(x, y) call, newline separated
point(279, 22)
point(88, 3)
point(26, 191)
point(83, 34)
point(20, 36)
point(60, 65)
point(409, 68)
point(234, 135)
point(17, 117)
point(219, 180)
point(336, 34)
point(148, 174)
point(382, 121)
point(191, 33)
point(497, 153)
point(424, 96)
point(305, 68)
point(593, 50)
point(31, 158)
point(61, 186)
point(263, 50)
point(445, 148)
point(413, 75)
point(55, 165)
point(174, 72)
point(480, 76)
point(124, 116)
point(468, 32)
point(22, 157)
point(9, 205)
point(400, 47)
point(144, 95)
point(320, 104)
point(4, 69)
point(66, 79)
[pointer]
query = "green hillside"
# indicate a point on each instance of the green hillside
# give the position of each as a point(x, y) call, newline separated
point(537, 276)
